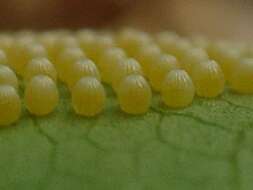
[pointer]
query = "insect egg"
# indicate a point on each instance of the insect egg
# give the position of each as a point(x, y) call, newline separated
point(3, 57)
point(107, 62)
point(6, 43)
point(241, 79)
point(66, 58)
point(24, 53)
point(147, 55)
point(88, 97)
point(126, 67)
point(208, 79)
point(131, 40)
point(8, 77)
point(82, 68)
point(192, 57)
point(177, 89)
point(10, 105)
point(158, 70)
point(134, 94)
point(40, 66)
point(41, 95)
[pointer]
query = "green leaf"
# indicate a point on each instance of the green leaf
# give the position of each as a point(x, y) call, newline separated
point(207, 146)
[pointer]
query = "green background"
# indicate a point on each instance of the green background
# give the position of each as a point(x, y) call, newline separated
point(207, 146)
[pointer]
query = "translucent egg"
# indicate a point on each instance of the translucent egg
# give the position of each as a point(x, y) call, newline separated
point(10, 105)
point(208, 79)
point(159, 69)
point(102, 42)
point(87, 41)
point(41, 95)
point(146, 55)
point(241, 79)
point(66, 58)
point(23, 53)
point(134, 94)
point(126, 67)
point(3, 57)
point(6, 43)
point(82, 68)
point(225, 56)
point(48, 41)
point(131, 40)
point(107, 61)
point(173, 45)
point(177, 89)
point(88, 97)
point(39, 66)
point(8, 77)
point(61, 44)
point(192, 57)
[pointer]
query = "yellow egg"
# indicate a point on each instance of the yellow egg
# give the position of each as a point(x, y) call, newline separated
point(8, 77)
point(82, 68)
point(131, 40)
point(146, 55)
point(173, 45)
point(107, 61)
point(177, 89)
point(10, 105)
point(62, 43)
point(48, 41)
point(6, 43)
point(126, 67)
point(66, 58)
point(39, 66)
point(208, 79)
point(87, 41)
point(88, 97)
point(3, 57)
point(159, 69)
point(24, 53)
point(192, 57)
point(241, 79)
point(41, 95)
point(134, 94)
point(102, 43)
point(225, 56)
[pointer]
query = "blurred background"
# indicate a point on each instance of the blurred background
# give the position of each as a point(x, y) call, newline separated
point(225, 19)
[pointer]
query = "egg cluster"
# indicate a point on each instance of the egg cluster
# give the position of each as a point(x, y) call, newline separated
point(132, 62)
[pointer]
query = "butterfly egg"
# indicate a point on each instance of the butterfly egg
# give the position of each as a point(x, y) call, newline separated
point(48, 41)
point(88, 97)
point(67, 41)
point(147, 55)
point(6, 43)
point(208, 79)
point(87, 41)
point(107, 61)
point(10, 105)
point(41, 95)
point(40, 66)
point(134, 94)
point(24, 53)
point(241, 79)
point(159, 68)
point(8, 77)
point(102, 42)
point(82, 68)
point(177, 89)
point(131, 40)
point(66, 58)
point(200, 42)
point(192, 57)
point(173, 45)
point(225, 56)
point(3, 57)
point(122, 69)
